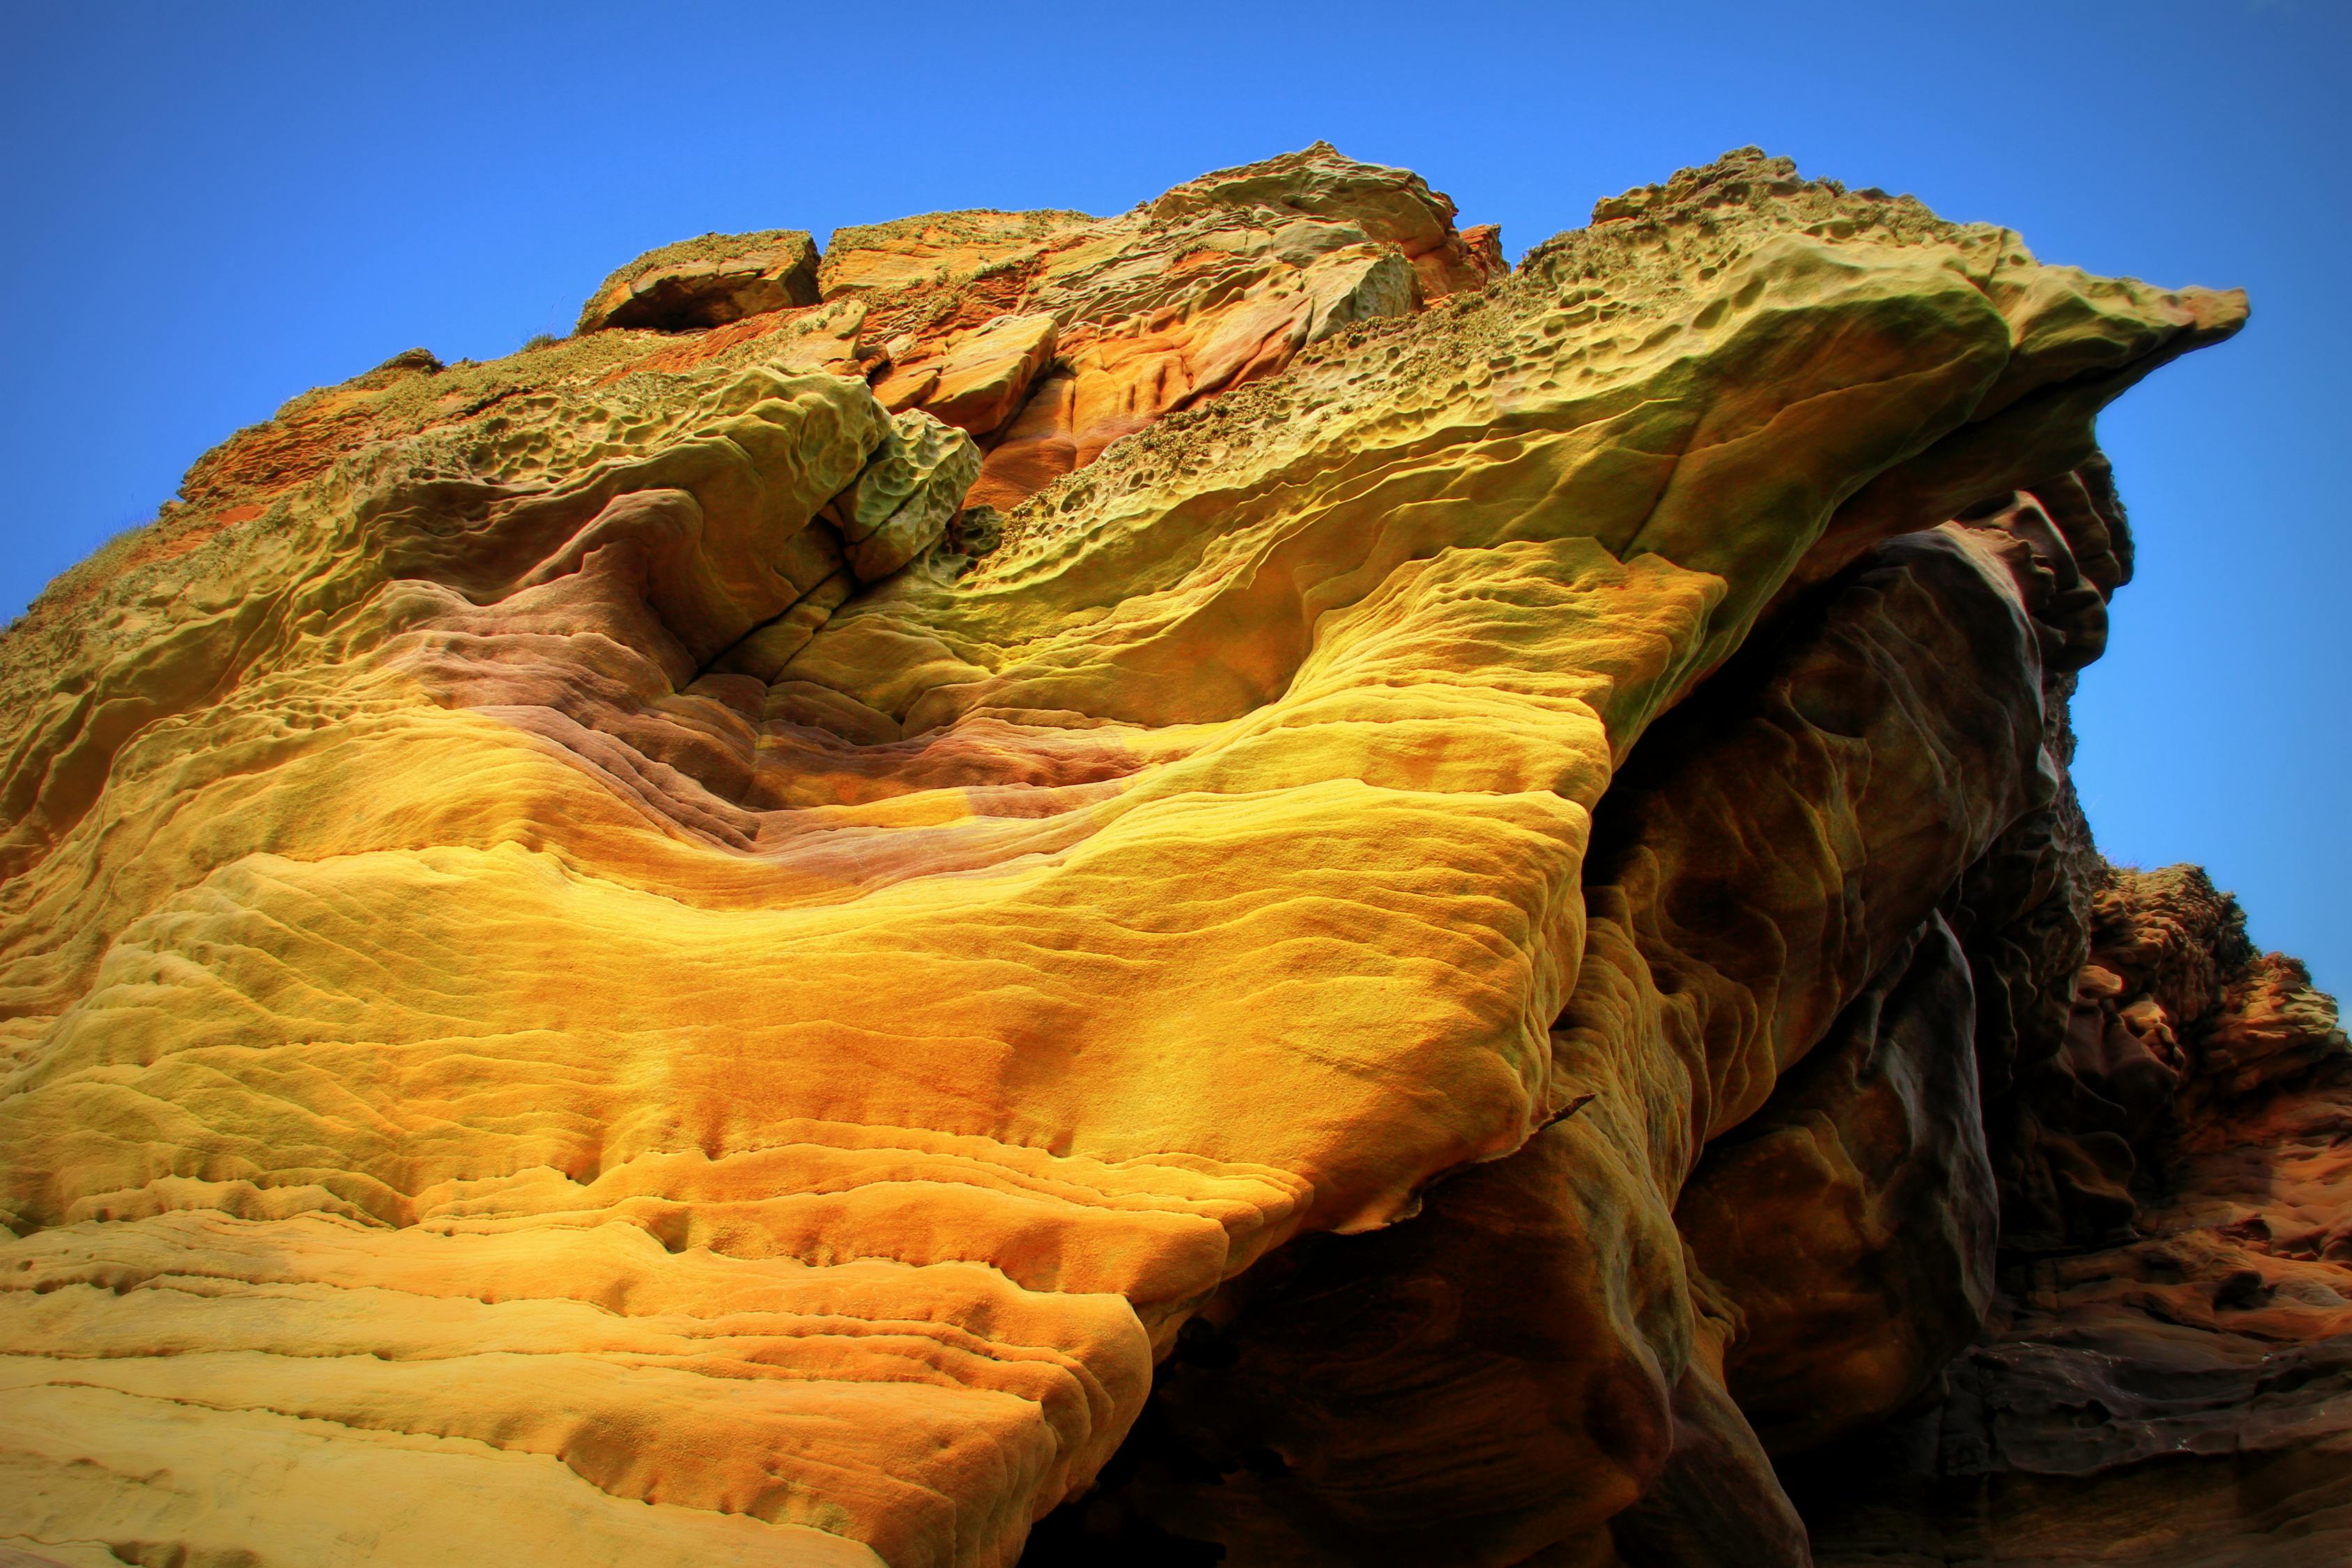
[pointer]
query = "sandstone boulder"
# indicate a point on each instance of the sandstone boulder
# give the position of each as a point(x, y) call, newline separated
point(706, 282)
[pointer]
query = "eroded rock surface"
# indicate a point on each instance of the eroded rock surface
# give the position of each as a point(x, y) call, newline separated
point(706, 282)
point(2173, 1392)
point(1222, 877)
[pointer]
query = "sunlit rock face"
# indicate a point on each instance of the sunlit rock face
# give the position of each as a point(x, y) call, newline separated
point(1220, 881)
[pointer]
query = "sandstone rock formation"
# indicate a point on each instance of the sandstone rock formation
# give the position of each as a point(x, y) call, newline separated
point(2164, 1376)
point(706, 282)
point(1215, 884)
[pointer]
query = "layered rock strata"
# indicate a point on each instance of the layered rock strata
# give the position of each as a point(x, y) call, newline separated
point(1223, 877)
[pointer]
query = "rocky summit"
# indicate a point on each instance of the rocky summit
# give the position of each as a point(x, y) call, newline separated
point(1230, 884)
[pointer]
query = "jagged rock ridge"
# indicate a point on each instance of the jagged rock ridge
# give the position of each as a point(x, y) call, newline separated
point(1226, 877)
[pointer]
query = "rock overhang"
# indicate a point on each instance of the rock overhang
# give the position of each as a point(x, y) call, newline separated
point(1016, 956)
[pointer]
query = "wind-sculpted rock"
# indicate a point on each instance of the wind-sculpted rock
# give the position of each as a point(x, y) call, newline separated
point(1083, 890)
point(2177, 1395)
point(706, 282)
point(1850, 1224)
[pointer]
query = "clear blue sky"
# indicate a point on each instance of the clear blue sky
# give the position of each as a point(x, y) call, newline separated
point(216, 206)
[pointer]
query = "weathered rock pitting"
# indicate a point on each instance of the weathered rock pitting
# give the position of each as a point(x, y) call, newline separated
point(1224, 880)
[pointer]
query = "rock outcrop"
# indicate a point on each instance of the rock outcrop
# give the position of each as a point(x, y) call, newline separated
point(2166, 1374)
point(706, 282)
point(1219, 884)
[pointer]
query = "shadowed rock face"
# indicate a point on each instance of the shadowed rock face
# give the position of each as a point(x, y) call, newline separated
point(1218, 881)
point(2169, 1387)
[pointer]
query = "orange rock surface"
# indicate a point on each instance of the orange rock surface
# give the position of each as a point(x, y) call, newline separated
point(1223, 877)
